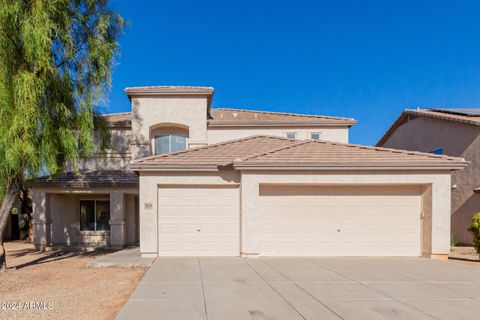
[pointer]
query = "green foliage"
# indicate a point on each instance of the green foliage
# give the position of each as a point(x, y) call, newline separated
point(453, 241)
point(56, 58)
point(475, 230)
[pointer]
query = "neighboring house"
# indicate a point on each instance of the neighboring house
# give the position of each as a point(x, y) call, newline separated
point(184, 179)
point(454, 132)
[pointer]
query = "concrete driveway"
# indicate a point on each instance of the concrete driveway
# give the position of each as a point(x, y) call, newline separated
point(305, 288)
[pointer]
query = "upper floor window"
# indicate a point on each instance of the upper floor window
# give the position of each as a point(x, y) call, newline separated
point(437, 151)
point(165, 143)
point(291, 135)
point(315, 136)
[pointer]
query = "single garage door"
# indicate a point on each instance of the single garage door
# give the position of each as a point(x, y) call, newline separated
point(340, 221)
point(198, 221)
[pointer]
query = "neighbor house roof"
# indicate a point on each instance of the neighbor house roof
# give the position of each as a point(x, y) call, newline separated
point(89, 179)
point(446, 114)
point(224, 117)
point(239, 117)
point(268, 152)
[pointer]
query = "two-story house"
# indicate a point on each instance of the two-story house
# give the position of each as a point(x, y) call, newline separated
point(186, 179)
point(451, 131)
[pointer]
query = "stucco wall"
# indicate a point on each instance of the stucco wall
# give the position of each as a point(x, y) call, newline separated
point(461, 140)
point(148, 205)
point(435, 186)
point(56, 216)
point(440, 204)
point(190, 112)
point(215, 135)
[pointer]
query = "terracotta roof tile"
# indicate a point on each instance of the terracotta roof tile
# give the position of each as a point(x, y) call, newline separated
point(225, 116)
point(279, 152)
point(118, 117)
point(220, 154)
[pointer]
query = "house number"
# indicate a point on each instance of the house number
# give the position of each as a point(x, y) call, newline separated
point(148, 206)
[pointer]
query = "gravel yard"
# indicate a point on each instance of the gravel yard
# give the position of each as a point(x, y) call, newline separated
point(62, 279)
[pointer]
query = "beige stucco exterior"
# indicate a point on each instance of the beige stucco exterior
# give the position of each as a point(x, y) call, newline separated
point(151, 113)
point(135, 213)
point(57, 217)
point(457, 139)
point(335, 134)
point(433, 189)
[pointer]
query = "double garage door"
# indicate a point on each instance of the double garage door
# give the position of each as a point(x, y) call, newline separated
point(293, 221)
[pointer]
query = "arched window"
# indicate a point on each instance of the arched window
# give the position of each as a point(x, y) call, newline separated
point(168, 137)
point(169, 142)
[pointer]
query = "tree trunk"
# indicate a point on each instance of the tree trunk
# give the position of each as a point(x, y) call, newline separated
point(7, 203)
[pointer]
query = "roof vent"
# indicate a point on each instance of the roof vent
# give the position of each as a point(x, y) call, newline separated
point(235, 114)
point(221, 115)
point(255, 116)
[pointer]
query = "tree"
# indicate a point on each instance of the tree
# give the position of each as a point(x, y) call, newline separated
point(55, 69)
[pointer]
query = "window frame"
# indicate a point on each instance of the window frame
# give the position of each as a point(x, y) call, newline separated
point(170, 135)
point(291, 132)
point(315, 132)
point(94, 231)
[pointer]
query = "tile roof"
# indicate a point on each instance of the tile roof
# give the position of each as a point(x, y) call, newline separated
point(442, 115)
point(214, 155)
point(226, 116)
point(269, 152)
point(89, 179)
point(237, 117)
point(123, 117)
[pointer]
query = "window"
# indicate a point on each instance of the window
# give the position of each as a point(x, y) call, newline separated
point(166, 143)
point(94, 215)
point(291, 135)
point(437, 151)
point(315, 136)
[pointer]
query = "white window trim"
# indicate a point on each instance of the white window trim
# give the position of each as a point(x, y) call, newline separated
point(291, 132)
point(169, 141)
point(90, 232)
point(315, 132)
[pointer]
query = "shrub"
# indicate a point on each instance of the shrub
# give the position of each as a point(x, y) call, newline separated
point(453, 241)
point(475, 230)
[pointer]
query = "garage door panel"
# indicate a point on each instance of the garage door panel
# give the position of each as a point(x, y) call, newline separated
point(198, 221)
point(358, 221)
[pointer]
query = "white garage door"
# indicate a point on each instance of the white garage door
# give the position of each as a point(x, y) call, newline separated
point(340, 221)
point(198, 221)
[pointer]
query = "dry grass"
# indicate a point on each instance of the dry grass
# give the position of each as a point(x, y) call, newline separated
point(77, 292)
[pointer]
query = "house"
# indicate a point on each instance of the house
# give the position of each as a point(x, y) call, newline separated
point(186, 179)
point(455, 132)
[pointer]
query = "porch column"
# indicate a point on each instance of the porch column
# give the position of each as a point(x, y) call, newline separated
point(41, 219)
point(117, 219)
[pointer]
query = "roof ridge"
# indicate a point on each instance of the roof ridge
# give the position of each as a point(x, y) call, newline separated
point(286, 113)
point(391, 150)
point(209, 146)
point(299, 143)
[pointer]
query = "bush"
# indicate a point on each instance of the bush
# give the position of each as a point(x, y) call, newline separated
point(475, 230)
point(453, 241)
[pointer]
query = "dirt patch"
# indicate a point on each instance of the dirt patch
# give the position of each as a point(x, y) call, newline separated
point(61, 285)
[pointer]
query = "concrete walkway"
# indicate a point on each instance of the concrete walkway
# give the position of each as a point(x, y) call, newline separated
point(305, 288)
point(125, 258)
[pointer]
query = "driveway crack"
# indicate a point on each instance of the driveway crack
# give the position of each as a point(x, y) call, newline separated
point(378, 291)
point(203, 288)
point(281, 296)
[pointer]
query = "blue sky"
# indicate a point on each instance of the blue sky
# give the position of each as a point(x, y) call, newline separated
point(363, 59)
